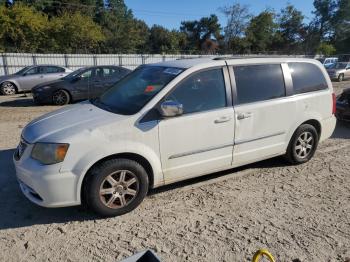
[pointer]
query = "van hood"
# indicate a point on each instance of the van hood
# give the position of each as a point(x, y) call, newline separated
point(68, 121)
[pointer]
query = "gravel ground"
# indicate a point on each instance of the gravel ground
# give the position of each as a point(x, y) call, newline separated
point(297, 212)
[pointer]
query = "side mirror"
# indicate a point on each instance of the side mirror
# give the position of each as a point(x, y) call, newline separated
point(171, 108)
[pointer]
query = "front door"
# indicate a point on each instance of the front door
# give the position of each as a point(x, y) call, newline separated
point(84, 85)
point(201, 140)
point(31, 78)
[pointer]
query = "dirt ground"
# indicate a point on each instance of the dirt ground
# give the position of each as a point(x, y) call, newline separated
point(299, 213)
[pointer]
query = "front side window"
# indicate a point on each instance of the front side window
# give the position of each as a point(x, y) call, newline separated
point(259, 83)
point(134, 91)
point(306, 77)
point(201, 91)
point(33, 71)
point(87, 74)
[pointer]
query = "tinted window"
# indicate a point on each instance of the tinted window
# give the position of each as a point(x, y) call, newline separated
point(111, 72)
point(201, 92)
point(53, 69)
point(306, 78)
point(259, 82)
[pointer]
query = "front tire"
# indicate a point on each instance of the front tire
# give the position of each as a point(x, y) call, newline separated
point(60, 98)
point(341, 78)
point(115, 187)
point(8, 88)
point(303, 145)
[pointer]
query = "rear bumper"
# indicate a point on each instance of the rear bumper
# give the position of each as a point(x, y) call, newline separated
point(46, 185)
point(328, 127)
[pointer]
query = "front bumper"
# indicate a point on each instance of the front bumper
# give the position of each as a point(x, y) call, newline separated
point(42, 98)
point(45, 185)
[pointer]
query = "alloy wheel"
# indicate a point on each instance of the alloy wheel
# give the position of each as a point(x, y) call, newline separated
point(60, 98)
point(119, 189)
point(304, 144)
point(8, 89)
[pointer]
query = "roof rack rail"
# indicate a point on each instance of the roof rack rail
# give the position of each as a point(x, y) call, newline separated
point(250, 57)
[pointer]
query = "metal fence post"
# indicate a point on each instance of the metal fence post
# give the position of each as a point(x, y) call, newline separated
point(120, 60)
point(4, 63)
point(66, 60)
point(143, 59)
point(34, 59)
point(95, 60)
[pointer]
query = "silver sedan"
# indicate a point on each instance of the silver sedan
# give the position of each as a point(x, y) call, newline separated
point(28, 77)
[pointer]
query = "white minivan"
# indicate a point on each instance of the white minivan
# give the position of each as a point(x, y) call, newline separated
point(172, 121)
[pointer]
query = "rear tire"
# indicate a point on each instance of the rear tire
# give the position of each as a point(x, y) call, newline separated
point(341, 78)
point(115, 187)
point(303, 145)
point(60, 98)
point(8, 88)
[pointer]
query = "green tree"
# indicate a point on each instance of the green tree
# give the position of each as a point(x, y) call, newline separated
point(70, 33)
point(341, 23)
point(199, 32)
point(324, 15)
point(161, 40)
point(58, 7)
point(326, 49)
point(238, 17)
point(22, 29)
point(260, 32)
point(290, 23)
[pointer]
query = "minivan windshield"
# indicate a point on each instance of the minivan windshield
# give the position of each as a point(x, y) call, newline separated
point(134, 91)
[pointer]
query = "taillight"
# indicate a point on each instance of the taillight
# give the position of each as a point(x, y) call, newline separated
point(334, 106)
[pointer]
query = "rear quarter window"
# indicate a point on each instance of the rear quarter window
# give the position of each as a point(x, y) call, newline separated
point(306, 78)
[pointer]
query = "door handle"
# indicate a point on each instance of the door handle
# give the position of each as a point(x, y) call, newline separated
point(222, 119)
point(242, 116)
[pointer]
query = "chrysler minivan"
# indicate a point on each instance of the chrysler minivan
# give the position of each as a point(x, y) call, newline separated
point(173, 121)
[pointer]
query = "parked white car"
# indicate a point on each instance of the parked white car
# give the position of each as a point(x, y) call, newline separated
point(172, 121)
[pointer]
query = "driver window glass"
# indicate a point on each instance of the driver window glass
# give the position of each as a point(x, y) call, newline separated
point(32, 71)
point(87, 74)
point(201, 91)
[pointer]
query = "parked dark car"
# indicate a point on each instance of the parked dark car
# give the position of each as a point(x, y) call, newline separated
point(84, 83)
point(343, 106)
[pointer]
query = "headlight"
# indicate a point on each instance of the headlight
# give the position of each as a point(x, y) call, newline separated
point(49, 154)
point(40, 89)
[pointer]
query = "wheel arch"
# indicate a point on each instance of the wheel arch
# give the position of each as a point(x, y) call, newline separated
point(12, 82)
point(311, 121)
point(68, 92)
point(128, 155)
point(316, 124)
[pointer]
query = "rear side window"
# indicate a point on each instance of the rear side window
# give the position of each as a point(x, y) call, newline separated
point(53, 69)
point(259, 82)
point(307, 78)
